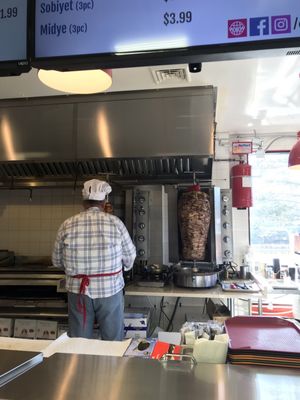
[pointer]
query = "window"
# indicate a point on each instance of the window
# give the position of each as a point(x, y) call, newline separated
point(275, 215)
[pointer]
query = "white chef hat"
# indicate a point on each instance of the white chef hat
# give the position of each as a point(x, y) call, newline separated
point(95, 190)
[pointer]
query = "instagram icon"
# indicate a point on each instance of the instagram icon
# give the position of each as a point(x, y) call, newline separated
point(281, 24)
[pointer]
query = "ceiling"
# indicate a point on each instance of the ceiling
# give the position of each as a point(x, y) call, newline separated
point(254, 95)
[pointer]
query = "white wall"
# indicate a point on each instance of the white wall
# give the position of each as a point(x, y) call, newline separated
point(28, 227)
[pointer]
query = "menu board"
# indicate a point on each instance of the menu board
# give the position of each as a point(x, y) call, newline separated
point(13, 30)
point(71, 27)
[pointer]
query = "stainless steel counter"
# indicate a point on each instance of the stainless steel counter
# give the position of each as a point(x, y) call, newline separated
point(14, 363)
point(77, 377)
point(216, 292)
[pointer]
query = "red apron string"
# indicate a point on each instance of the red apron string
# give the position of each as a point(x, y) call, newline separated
point(85, 281)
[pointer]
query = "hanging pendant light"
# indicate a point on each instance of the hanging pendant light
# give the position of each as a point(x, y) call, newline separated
point(77, 82)
point(294, 156)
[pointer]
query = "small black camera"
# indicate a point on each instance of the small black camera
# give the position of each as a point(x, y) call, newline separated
point(196, 67)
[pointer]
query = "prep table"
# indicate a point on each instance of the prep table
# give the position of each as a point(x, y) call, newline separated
point(77, 377)
point(132, 289)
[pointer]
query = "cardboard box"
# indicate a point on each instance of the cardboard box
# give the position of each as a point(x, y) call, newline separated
point(170, 337)
point(137, 318)
point(136, 322)
point(25, 328)
point(46, 330)
point(6, 327)
point(61, 329)
point(217, 312)
point(135, 333)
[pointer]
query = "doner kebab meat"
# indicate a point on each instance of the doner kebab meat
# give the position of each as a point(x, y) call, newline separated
point(194, 216)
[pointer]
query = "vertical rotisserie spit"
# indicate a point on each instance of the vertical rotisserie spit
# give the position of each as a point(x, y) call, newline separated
point(194, 215)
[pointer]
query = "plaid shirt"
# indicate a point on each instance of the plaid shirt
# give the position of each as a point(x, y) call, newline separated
point(94, 242)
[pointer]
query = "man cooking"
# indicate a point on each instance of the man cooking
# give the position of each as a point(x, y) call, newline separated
point(93, 247)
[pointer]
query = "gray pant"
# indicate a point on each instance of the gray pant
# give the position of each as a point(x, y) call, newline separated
point(108, 312)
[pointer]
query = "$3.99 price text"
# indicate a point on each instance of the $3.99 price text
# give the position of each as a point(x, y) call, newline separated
point(173, 18)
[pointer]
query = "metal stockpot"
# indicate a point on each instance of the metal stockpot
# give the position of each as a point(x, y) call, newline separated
point(193, 278)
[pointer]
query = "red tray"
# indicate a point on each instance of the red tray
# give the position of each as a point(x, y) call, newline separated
point(273, 334)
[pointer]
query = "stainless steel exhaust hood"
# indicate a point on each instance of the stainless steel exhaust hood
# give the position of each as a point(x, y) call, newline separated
point(164, 135)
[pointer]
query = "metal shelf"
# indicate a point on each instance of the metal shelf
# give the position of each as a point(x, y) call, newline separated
point(28, 312)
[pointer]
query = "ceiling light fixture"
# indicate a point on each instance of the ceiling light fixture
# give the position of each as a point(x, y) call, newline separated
point(77, 82)
point(294, 156)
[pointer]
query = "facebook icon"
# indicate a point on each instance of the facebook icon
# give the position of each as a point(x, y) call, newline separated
point(259, 26)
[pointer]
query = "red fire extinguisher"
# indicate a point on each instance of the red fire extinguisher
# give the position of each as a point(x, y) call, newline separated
point(240, 177)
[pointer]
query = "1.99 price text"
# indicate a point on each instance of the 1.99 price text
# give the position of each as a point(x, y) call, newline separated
point(9, 12)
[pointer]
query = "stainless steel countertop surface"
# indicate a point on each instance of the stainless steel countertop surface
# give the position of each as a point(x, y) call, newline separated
point(77, 377)
point(11, 359)
point(216, 292)
point(14, 363)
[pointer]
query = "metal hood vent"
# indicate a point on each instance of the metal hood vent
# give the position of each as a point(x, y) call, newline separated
point(147, 135)
point(167, 170)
